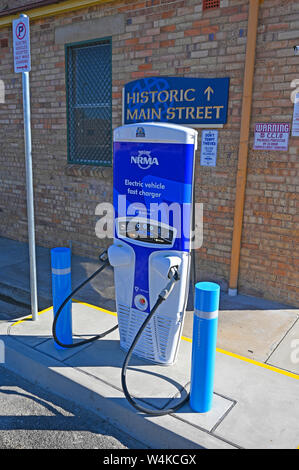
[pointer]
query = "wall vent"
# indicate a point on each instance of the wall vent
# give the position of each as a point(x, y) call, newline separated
point(211, 4)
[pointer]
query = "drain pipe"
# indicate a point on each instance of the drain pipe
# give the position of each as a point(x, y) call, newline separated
point(243, 145)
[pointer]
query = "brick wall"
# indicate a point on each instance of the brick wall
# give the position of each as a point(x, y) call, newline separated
point(164, 38)
point(270, 249)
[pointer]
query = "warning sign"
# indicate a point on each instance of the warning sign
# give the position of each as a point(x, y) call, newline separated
point(21, 44)
point(272, 136)
point(209, 144)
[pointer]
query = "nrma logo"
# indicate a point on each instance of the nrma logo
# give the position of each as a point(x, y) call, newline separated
point(144, 160)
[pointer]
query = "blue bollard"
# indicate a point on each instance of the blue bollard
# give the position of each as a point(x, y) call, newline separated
point(205, 325)
point(61, 288)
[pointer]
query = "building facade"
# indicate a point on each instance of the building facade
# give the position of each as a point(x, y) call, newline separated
point(83, 53)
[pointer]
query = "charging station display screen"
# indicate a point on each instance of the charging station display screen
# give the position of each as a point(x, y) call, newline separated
point(148, 233)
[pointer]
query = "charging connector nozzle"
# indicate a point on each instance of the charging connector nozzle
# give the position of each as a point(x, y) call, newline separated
point(174, 273)
point(103, 256)
point(174, 276)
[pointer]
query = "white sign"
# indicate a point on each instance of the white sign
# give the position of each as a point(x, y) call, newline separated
point(21, 44)
point(272, 136)
point(295, 128)
point(209, 145)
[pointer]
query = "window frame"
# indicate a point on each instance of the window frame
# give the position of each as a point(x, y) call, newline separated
point(67, 49)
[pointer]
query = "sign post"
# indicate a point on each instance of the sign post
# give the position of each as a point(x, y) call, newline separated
point(22, 63)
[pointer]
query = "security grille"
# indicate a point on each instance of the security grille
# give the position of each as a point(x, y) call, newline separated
point(210, 4)
point(89, 91)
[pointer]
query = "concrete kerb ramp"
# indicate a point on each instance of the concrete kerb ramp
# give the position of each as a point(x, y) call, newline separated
point(254, 404)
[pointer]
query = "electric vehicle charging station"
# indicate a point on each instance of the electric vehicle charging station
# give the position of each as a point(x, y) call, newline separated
point(153, 171)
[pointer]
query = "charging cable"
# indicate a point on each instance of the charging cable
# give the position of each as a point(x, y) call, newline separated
point(103, 258)
point(164, 294)
point(173, 276)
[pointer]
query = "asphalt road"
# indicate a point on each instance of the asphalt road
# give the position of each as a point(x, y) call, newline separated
point(31, 418)
point(11, 311)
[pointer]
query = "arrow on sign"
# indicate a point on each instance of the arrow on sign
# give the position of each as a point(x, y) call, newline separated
point(208, 91)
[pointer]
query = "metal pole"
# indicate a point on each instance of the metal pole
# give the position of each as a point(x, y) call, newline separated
point(243, 147)
point(29, 188)
point(205, 323)
point(61, 288)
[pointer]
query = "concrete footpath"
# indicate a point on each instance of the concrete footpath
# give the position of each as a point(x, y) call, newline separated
point(257, 363)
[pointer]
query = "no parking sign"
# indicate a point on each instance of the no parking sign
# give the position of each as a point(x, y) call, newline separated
point(22, 63)
point(21, 45)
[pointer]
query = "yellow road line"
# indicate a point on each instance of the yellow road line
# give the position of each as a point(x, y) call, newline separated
point(260, 364)
point(184, 338)
point(187, 339)
point(74, 300)
point(252, 361)
point(96, 308)
point(30, 316)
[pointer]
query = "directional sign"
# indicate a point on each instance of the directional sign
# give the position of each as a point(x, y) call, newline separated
point(208, 91)
point(21, 45)
point(177, 100)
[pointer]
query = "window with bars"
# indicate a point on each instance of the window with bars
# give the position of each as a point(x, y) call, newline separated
point(89, 102)
point(210, 4)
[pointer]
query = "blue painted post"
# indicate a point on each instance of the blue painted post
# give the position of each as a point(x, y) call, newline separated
point(205, 324)
point(61, 288)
